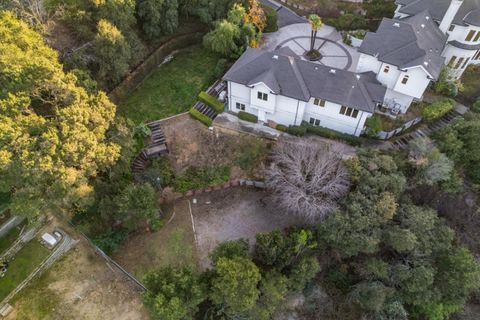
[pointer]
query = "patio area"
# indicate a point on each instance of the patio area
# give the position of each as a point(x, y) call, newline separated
point(334, 52)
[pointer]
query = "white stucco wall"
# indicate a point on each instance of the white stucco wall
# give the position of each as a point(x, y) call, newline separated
point(331, 118)
point(289, 111)
point(403, 100)
point(450, 14)
point(416, 84)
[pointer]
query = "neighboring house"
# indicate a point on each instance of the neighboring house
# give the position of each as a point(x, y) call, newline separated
point(405, 55)
point(278, 86)
point(459, 20)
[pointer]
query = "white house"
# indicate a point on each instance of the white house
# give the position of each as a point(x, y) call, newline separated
point(280, 87)
point(459, 20)
point(405, 54)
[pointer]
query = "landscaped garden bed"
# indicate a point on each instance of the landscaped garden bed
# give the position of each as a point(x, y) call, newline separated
point(173, 87)
point(22, 264)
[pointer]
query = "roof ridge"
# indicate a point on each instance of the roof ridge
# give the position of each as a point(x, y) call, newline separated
point(299, 77)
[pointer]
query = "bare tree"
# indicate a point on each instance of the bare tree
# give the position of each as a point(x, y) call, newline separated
point(307, 178)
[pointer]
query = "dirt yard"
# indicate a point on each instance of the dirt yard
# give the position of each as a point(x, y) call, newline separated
point(192, 144)
point(80, 286)
point(173, 244)
point(233, 214)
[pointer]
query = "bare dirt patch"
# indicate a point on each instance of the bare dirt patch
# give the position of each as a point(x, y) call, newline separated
point(233, 214)
point(192, 144)
point(80, 286)
point(173, 244)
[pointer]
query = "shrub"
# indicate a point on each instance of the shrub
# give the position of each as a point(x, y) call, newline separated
point(437, 109)
point(332, 134)
point(110, 241)
point(298, 131)
point(230, 249)
point(198, 178)
point(211, 101)
point(373, 126)
point(251, 152)
point(272, 18)
point(200, 117)
point(281, 127)
point(220, 68)
point(348, 21)
point(476, 106)
point(247, 116)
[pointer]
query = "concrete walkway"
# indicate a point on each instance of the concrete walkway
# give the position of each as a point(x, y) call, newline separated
point(231, 122)
point(329, 42)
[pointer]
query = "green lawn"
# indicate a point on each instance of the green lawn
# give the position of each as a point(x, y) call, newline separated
point(7, 240)
point(24, 262)
point(173, 87)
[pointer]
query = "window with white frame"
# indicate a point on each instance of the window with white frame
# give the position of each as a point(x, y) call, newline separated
point(470, 35)
point(452, 27)
point(349, 112)
point(386, 69)
point(315, 122)
point(319, 102)
point(405, 79)
point(262, 96)
point(240, 106)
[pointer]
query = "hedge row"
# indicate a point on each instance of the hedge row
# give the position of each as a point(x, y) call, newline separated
point(332, 134)
point(298, 131)
point(211, 101)
point(200, 117)
point(247, 116)
point(281, 127)
point(437, 109)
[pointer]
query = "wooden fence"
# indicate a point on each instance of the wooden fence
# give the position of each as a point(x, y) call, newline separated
point(133, 79)
point(385, 135)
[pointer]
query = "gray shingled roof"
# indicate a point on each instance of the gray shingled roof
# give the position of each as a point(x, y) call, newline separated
point(286, 74)
point(468, 12)
point(410, 42)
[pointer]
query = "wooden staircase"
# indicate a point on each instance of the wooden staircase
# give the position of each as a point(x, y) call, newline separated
point(425, 131)
point(157, 146)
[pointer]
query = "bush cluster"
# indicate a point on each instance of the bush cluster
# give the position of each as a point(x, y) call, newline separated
point(200, 117)
point(281, 127)
point(211, 101)
point(272, 18)
point(298, 131)
point(437, 109)
point(199, 178)
point(242, 115)
point(332, 134)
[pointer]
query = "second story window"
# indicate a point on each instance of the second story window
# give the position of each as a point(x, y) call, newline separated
point(452, 27)
point(319, 102)
point(405, 79)
point(262, 96)
point(350, 112)
point(477, 37)
point(452, 61)
point(470, 35)
point(465, 63)
point(459, 63)
point(386, 69)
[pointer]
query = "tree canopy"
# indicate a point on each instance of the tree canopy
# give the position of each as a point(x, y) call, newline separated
point(53, 132)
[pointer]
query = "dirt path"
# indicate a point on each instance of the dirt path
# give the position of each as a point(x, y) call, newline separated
point(80, 286)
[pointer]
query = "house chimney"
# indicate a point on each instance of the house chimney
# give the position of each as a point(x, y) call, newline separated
point(450, 14)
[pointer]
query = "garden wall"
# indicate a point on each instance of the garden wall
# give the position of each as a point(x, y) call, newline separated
point(134, 78)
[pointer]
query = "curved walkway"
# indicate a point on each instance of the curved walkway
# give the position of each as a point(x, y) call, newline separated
point(329, 41)
point(333, 53)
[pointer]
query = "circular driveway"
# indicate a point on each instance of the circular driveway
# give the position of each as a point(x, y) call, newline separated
point(333, 53)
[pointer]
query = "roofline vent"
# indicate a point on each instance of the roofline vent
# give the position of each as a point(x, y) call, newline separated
point(422, 25)
point(275, 57)
point(396, 24)
point(427, 17)
point(358, 77)
point(332, 71)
